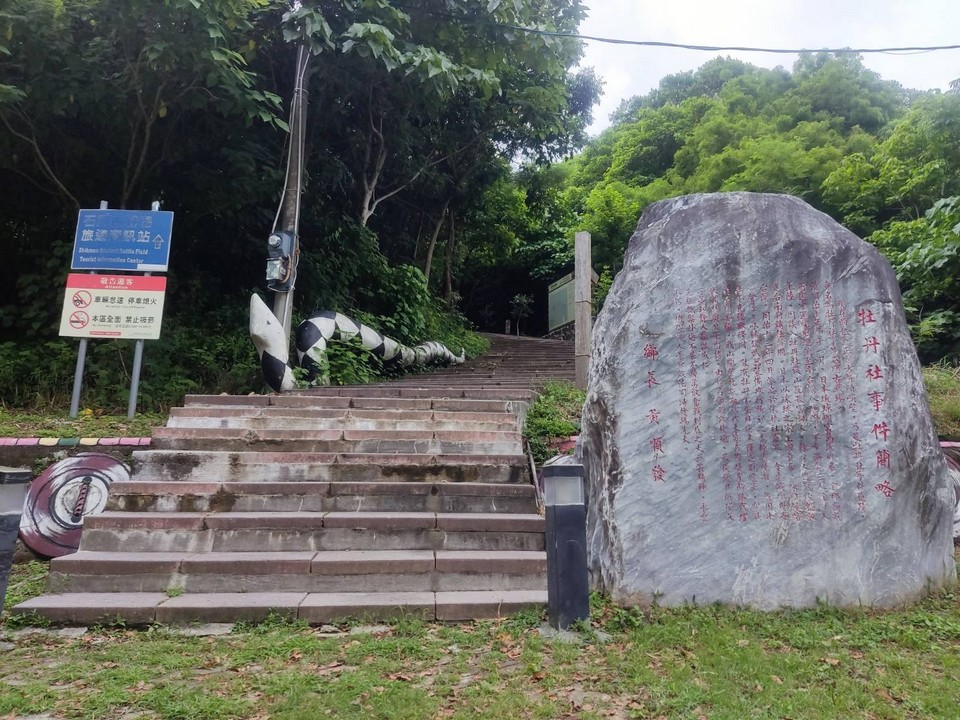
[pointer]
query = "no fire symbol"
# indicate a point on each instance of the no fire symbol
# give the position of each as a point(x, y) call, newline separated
point(79, 319)
point(82, 299)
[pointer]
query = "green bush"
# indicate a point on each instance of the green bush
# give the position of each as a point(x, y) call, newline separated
point(925, 253)
point(212, 353)
point(554, 414)
point(216, 355)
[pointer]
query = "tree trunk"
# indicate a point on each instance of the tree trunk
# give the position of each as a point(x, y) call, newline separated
point(428, 263)
point(448, 260)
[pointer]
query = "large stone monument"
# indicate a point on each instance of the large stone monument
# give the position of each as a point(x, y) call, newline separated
point(756, 430)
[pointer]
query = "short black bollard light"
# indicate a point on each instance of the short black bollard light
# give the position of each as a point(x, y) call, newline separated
point(568, 589)
point(13, 489)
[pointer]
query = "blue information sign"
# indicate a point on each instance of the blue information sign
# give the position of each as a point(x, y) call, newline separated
point(135, 240)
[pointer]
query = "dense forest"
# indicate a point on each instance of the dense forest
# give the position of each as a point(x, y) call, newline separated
point(447, 169)
point(879, 158)
point(416, 109)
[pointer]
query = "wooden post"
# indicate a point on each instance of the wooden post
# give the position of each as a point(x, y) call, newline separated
point(582, 306)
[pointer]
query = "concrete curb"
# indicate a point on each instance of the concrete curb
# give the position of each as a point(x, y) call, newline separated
point(74, 442)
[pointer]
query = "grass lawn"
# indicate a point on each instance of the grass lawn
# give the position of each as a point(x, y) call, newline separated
point(695, 663)
point(57, 423)
point(692, 663)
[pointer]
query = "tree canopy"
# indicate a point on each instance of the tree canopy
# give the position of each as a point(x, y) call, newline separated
point(416, 111)
point(446, 169)
point(881, 159)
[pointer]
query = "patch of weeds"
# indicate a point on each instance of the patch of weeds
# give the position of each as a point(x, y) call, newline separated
point(273, 622)
point(110, 622)
point(626, 619)
point(89, 423)
point(27, 580)
point(553, 415)
point(172, 592)
point(21, 622)
point(943, 393)
point(409, 626)
point(610, 617)
point(523, 620)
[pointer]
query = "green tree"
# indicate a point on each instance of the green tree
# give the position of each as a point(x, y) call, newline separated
point(925, 253)
point(898, 178)
point(98, 91)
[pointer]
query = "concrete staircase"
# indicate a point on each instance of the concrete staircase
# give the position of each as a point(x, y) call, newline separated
point(412, 497)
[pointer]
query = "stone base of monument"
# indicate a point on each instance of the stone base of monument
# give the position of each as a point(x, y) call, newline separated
point(756, 430)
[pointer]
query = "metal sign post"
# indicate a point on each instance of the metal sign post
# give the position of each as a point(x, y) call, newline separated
point(126, 240)
point(138, 355)
point(81, 355)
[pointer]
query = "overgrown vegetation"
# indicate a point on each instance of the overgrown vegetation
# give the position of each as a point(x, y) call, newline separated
point(413, 211)
point(413, 114)
point(57, 424)
point(688, 663)
point(943, 392)
point(554, 416)
point(879, 158)
point(27, 580)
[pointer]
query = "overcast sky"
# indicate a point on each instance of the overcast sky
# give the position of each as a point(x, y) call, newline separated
point(629, 71)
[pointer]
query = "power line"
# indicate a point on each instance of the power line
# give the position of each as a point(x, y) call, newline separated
point(717, 48)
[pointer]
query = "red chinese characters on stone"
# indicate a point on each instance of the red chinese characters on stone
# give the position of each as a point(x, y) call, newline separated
point(883, 458)
point(884, 489)
point(881, 430)
point(650, 351)
point(865, 317)
point(651, 379)
point(654, 416)
point(776, 374)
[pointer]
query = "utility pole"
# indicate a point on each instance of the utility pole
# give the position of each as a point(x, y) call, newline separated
point(288, 218)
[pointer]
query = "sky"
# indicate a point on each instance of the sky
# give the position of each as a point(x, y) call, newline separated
point(629, 70)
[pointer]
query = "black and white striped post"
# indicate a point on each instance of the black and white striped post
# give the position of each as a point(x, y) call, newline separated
point(568, 588)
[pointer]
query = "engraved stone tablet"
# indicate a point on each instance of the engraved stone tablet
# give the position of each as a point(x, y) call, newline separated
point(756, 429)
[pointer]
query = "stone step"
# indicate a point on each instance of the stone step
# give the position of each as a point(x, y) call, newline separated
point(139, 496)
point(195, 532)
point(413, 391)
point(522, 382)
point(340, 441)
point(378, 395)
point(420, 427)
point(315, 608)
point(332, 571)
point(221, 466)
point(410, 497)
point(481, 379)
point(345, 414)
point(454, 404)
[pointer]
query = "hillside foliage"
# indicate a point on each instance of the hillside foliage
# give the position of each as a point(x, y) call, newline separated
point(447, 168)
point(881, 159)
point(415, 113)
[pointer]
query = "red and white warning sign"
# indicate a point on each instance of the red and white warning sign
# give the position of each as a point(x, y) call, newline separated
point(113, 306)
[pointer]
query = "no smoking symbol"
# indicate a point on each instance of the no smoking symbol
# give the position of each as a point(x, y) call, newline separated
point(79, 319)
point(82, 299)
